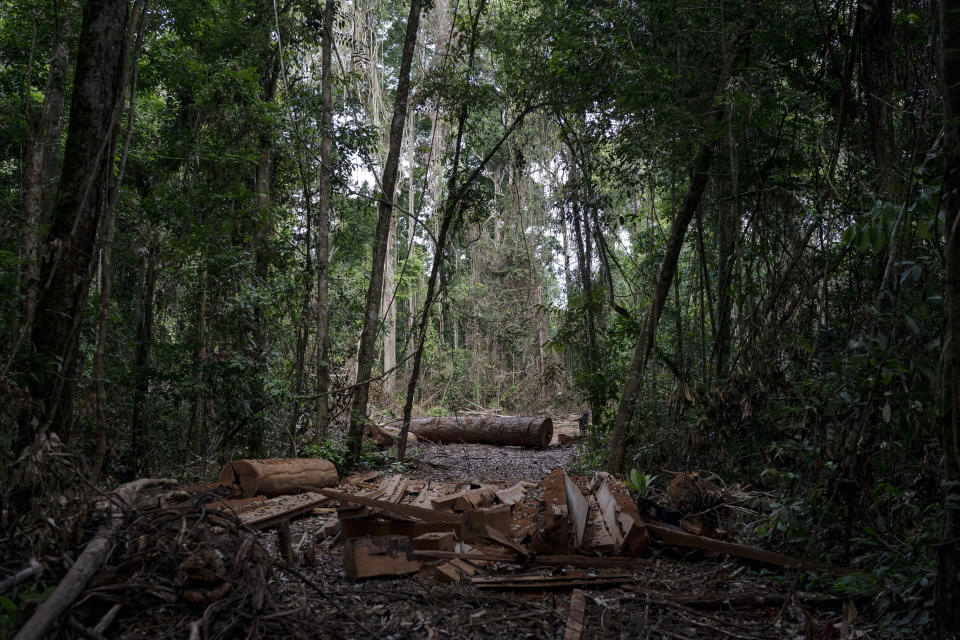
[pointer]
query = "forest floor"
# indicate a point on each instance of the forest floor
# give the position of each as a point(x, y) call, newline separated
point(646, 607)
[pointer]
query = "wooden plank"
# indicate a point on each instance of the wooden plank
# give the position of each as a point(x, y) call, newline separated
point(554, 537)
point(636, 539)
point(378, 556)
point(394, 487)
point(427, 515)
point(578, 604)
point(475, 498)
point(372, 526)
point(474, 521)
point(597, 537)
point(541, 582)
point(579, 508)
point(275, 510)
point(511, 495)
point(683, 539)
point(357, 478)
point(585, 562)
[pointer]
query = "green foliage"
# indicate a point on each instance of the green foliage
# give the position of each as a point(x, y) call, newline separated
point(639, 483)
point(371, 456)
point(12, 609)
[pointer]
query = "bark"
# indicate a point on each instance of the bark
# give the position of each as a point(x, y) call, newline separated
point(876, 50)
point(42, 155)
point(503, 430)
point(947, 590)
point(139, 427)
point(66, 269)
point(322, 415)
point(645, 343)
point(384, 221)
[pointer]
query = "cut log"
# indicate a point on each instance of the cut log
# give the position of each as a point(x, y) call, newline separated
point(579, 508)
point(574, 628)
point(275, 477)
point(511, 495)
point(522, 431)
point(379, 556)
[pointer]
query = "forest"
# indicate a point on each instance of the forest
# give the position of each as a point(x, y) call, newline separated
point(719, 238)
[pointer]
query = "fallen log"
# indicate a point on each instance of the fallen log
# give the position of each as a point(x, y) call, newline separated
point(522, 431)
point(87, 563)
point(32, 570)
point(275, 477)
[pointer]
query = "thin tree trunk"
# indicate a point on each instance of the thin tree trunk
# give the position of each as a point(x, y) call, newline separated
point(139, 20)
point(947, 590)
point(322, 408)
point(645, 343)
point(139, 426)
point(389, 303)
point(66, 270)
point(358, 414)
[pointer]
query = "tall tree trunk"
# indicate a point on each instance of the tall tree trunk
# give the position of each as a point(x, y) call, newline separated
point(138, 20)
point(876, 50)
point(389, 303)
point(358, 414)
point(727, 229)
point(66, 269)
point(303, 324)
point(947, 591)
point(43, 153)
point(322, 408)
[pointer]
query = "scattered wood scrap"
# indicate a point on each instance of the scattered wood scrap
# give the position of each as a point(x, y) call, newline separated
point(379, 556)
point(578, 604)
point(542, 582)
point(511, 495)
point(578, 506)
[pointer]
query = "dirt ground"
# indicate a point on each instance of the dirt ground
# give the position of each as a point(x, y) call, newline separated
point(647, 607)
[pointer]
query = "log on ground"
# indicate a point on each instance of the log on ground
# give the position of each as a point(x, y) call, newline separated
point(275, 477)
point(523, 431)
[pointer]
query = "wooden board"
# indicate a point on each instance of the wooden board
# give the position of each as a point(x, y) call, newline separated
point(374, 526)
point(275, 510)
point(578, 604)
point(597, 537)
point(683, 539)
point(366, 476)
point(578, 506)
point(427, 515)
point(566, 560)
point(554, 537)
point(475, 498)
point(636, 539)
point(511, 495)
point(394, 488)
point(540, 582)
point(378, 556)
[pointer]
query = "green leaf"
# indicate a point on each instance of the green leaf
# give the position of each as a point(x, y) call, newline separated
point(886, 412)
point(7, 604)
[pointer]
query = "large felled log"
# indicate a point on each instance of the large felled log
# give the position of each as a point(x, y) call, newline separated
point(275, 477)
point(523, 431)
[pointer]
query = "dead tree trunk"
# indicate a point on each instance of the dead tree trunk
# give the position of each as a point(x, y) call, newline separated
point(947, 592)
point(66, 269)
point(385, 219)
